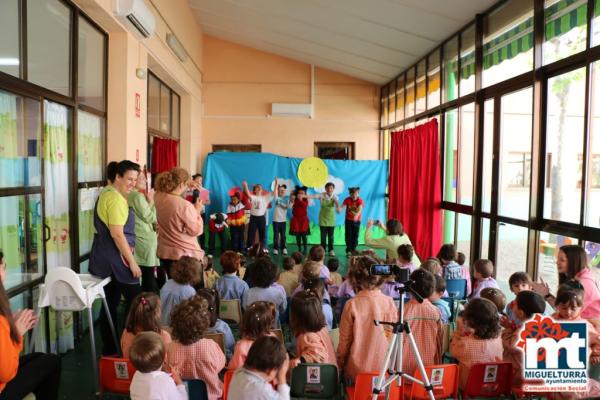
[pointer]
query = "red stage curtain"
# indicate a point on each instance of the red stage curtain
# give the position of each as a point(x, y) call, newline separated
point(415, 194)
point(164, 154)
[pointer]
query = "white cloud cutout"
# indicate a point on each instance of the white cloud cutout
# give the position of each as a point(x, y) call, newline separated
point(338, 182)
point(284, 181)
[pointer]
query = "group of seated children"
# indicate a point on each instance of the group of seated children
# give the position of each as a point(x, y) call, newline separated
point(487, 329)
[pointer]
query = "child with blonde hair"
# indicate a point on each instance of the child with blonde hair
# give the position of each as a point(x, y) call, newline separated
point(144, 316)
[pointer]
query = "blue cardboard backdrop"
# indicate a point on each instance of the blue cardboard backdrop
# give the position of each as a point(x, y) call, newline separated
point(223, 171)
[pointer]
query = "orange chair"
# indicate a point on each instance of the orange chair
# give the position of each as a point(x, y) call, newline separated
point(363, 388)
point(489, 380)
point(115, 375)
point(226, 382)
point(446, 376)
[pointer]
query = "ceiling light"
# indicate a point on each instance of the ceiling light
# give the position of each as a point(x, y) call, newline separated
point(177, 47)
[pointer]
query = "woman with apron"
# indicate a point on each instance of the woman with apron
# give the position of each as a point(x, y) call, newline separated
point(112, 249)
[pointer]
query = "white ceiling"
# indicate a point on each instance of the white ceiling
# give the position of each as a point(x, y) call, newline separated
point(373, 40)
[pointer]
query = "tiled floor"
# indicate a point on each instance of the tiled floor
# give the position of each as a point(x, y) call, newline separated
point(77, 376)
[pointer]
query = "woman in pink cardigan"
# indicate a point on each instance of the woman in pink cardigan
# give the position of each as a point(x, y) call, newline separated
point(179, 221)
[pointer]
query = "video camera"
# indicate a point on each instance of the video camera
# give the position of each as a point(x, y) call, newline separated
point(401, 275)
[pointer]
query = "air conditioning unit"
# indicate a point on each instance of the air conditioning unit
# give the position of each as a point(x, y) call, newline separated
point(291, 110)
point(136, 13)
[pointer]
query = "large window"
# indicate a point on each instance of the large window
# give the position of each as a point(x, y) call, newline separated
point(519, 115)
point(52, 144)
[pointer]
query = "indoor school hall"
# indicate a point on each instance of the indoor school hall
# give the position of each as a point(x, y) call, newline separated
point(277, 199)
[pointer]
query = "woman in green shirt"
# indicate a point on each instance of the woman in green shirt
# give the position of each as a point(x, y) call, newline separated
point(395, 236)
point(142, 203)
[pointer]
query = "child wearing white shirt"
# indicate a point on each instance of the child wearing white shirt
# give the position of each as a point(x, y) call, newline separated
point(258, 220)
point(267, 360)
point(149, 382)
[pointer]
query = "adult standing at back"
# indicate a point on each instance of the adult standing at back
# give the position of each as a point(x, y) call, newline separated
point(112, 249)
point(141, 201)
point(395, 236)
point(179, 221)
point(573, 270)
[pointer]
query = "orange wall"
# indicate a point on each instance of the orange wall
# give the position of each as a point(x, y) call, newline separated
point(240, 83)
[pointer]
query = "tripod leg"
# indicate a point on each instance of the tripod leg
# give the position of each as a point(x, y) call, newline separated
point(415, 350)
point(390, 357)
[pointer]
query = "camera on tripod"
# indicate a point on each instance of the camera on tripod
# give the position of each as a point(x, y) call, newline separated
point(401, 275)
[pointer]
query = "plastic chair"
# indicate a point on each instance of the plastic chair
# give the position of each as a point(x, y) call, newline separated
point(230, 311)
point(457, 288)
point(315, 381)
point(115, 375)
point(65, 290)
point(447, 384)
point(363, 388)
point(219, 338)
point(489, 380)
point(196, 389)
point(226, 381)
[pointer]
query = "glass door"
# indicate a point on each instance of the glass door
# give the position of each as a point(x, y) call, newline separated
point(57, 184)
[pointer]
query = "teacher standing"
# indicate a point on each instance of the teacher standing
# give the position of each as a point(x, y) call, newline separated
point(112, 249)
point(179, 221)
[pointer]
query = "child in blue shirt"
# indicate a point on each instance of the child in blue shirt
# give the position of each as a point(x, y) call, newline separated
point(230, 286)
point(436, 299)
point(217, 325)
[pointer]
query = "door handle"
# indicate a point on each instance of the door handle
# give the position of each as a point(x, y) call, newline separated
point(47, 233)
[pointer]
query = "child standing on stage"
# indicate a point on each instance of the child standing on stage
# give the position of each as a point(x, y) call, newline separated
point(354, 205)
point(299, 225)
point(282, 203)
point(236, 219)
point(329, 204)
point(258, 214)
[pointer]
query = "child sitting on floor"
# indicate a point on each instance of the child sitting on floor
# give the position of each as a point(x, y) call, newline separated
point(210, 275)
point(298, 263)
point(432, 265)
point(436, 299)
point(191, 355)
point(477, 337)
point(267, 363)
point(333, 264)
point(184, 274)
point(217, 325)
point(317, 254)
point(144, 315)
point(313, 344)
point(518, 282)
point(288, 278)
point(230, 286)
point(484, 269)
point(256, 323)
point(150, 382)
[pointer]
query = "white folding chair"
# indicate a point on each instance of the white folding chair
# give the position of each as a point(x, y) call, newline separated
point(65, 290)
